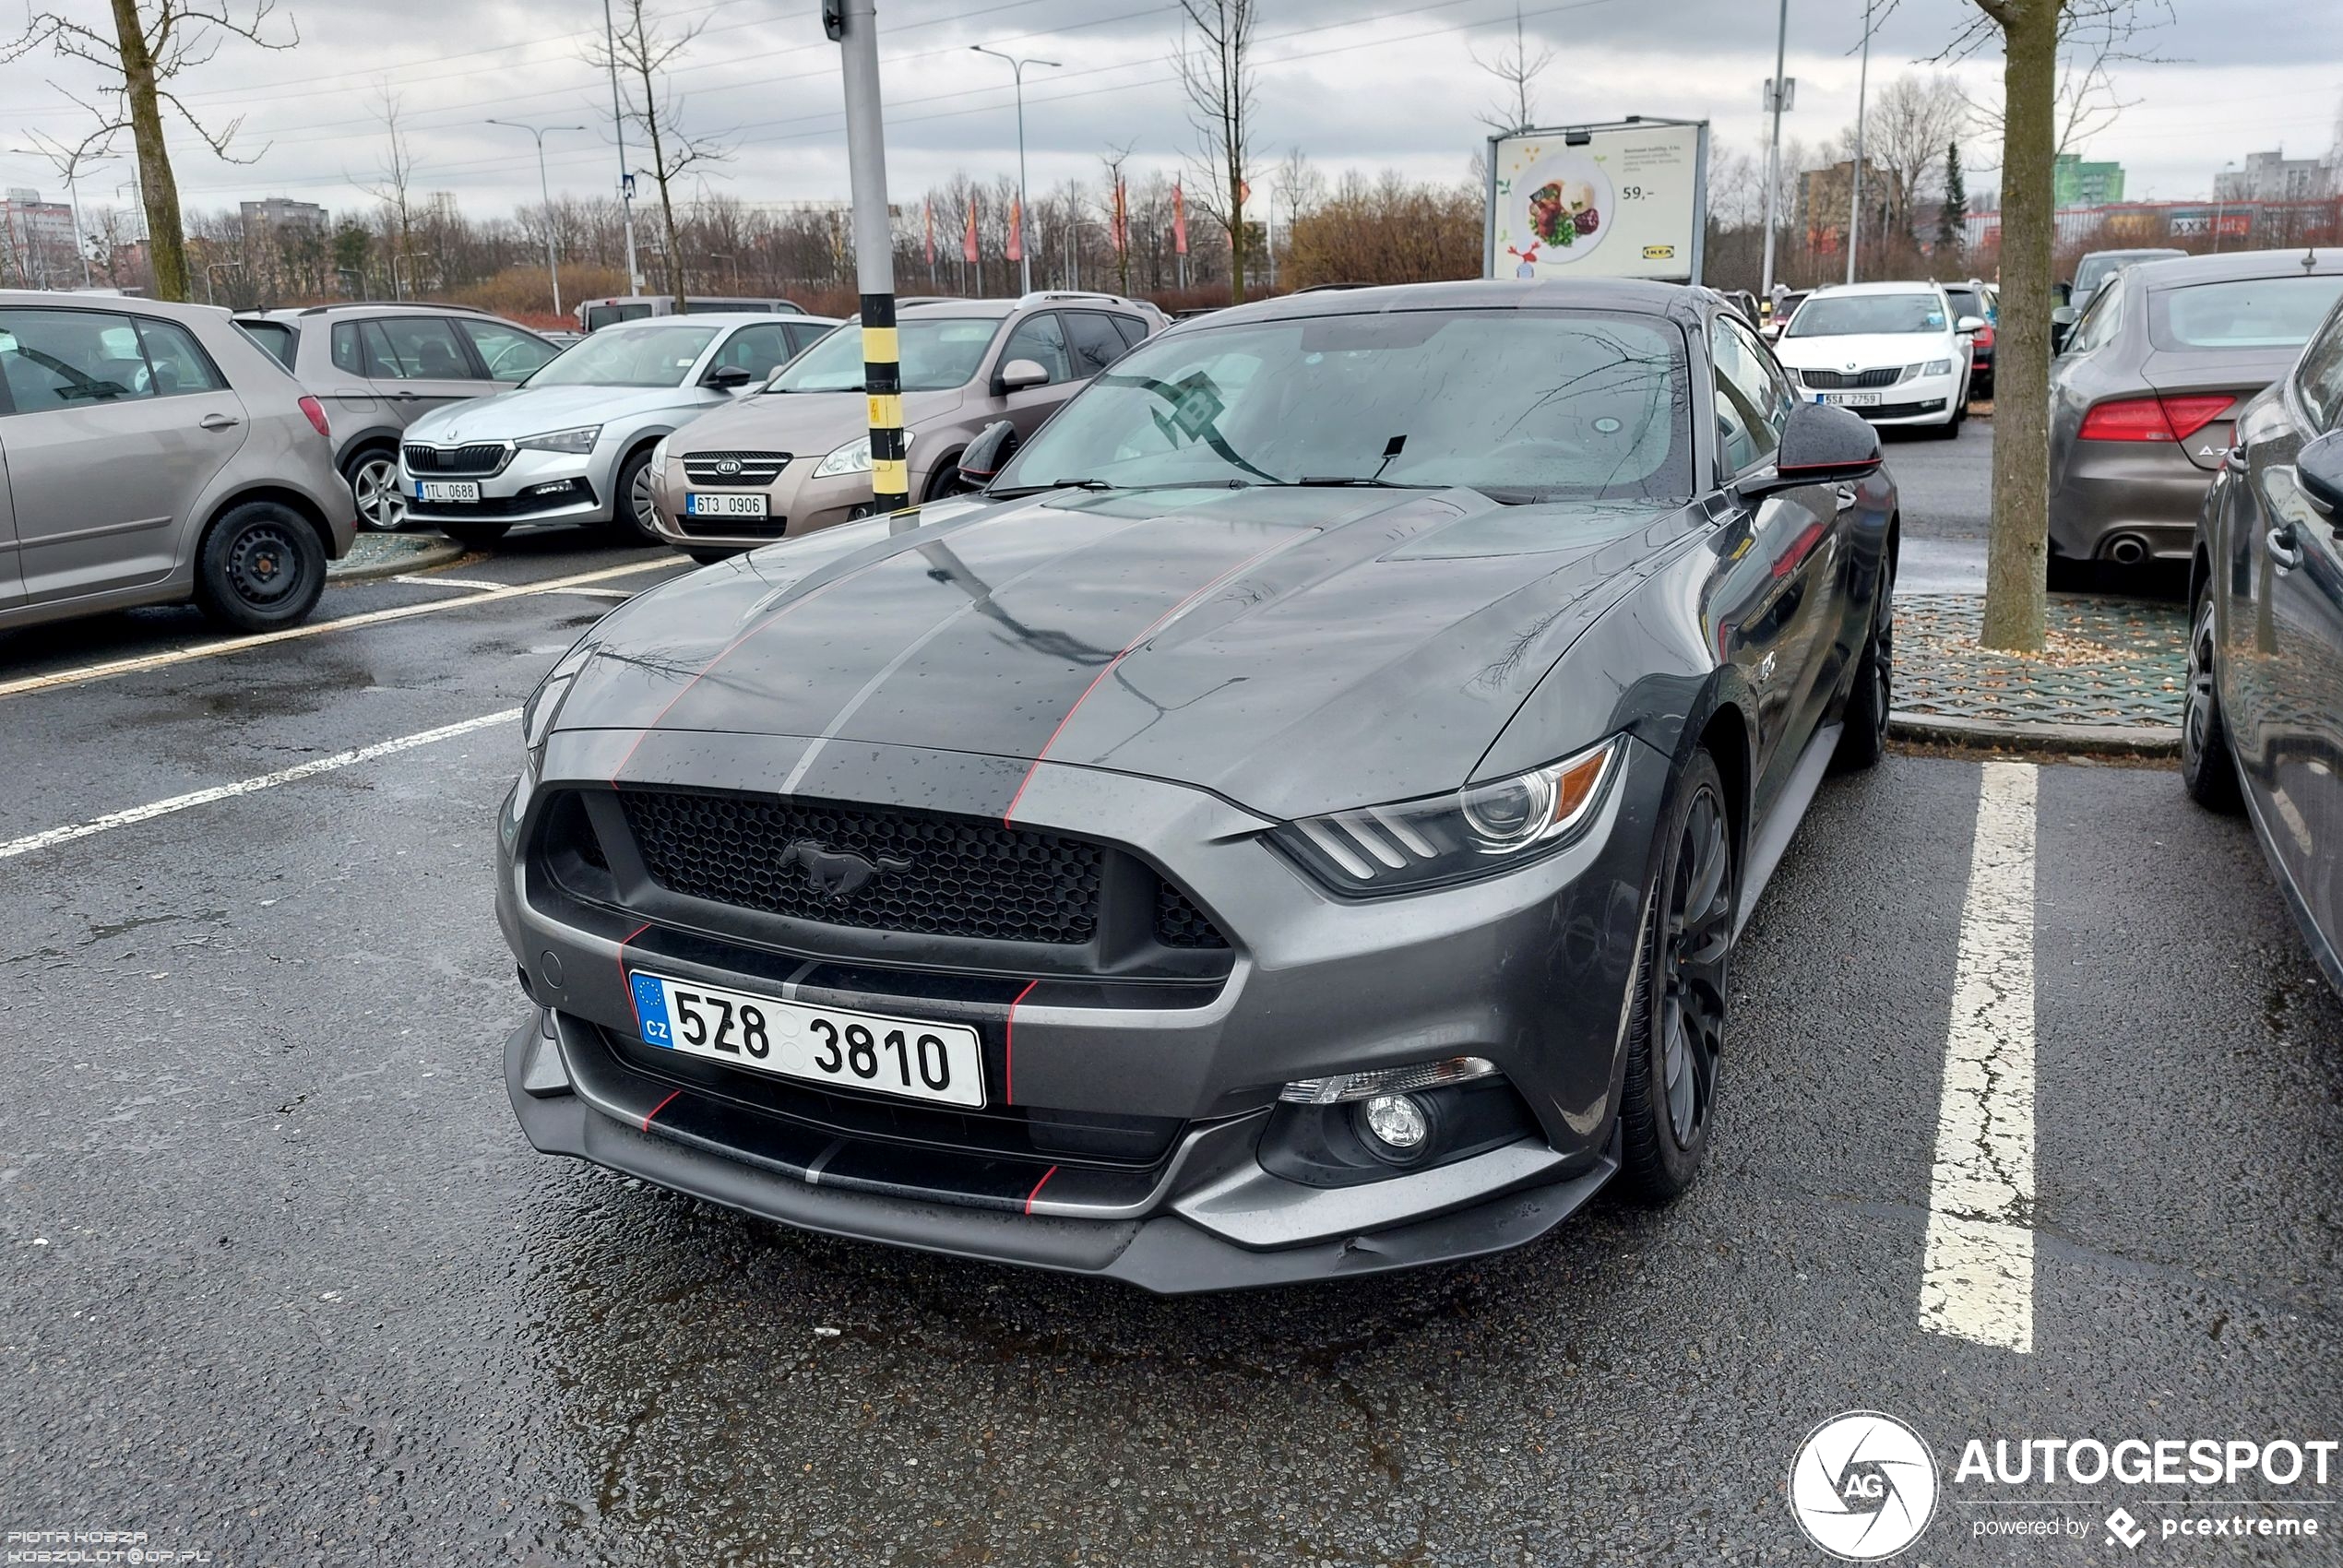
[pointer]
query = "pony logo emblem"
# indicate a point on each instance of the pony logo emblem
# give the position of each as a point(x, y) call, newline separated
point(837, 874)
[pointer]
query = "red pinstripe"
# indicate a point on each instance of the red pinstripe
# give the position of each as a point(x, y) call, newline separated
point(671, 1100)
point(1108, 669)
point(1008, 1074)
point(1038, 1186)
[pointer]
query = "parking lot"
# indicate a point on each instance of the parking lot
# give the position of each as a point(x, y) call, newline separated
point(284, 1282)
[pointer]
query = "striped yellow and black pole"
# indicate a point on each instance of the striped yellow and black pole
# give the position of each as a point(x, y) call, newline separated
point(883, 382)
point(851, 25)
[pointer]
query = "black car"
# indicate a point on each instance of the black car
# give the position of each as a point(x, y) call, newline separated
point(1969, 300)
point(2264, 720)
point(1293, 823)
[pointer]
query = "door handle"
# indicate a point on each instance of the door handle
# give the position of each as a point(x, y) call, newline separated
point(2283, 547)
point(218, 421)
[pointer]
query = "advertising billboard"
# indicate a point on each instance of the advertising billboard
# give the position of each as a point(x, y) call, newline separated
point(1624, 200)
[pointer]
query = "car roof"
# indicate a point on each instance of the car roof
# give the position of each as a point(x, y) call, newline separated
point(699, 319)
point(1907, 286)
point(71, 299)
point(1628, 295)
point(2180, 271)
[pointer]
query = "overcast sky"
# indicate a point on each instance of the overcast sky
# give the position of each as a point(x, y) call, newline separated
point(1354, 83)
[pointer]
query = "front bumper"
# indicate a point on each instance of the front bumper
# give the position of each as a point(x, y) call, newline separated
point(531, 487)
point(1532, 971)
point(2106, 490)
point(795, 503)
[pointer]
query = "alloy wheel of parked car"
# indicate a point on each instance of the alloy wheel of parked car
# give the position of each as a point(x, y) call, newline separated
point(2207, 768)
point(373, 484)
point(1679, 1028)
point(261, 568)
point(637, 508)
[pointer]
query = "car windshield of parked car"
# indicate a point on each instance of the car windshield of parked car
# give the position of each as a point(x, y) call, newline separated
point(2248, 313)
point(1855, 315)
point(633, 356)
point(935, 353)
point(1524, 405)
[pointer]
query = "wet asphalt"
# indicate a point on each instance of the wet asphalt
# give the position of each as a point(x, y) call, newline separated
point(282, 1281)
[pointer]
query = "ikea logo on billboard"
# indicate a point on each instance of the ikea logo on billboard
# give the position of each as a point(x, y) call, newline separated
point(1660, 253)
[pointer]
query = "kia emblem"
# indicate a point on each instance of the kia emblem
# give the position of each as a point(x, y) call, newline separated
point(729, 466)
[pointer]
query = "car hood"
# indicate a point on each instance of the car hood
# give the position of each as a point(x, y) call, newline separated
point(802, 421)
point(1293, 650)
point(1867, 350)
point(533, 411)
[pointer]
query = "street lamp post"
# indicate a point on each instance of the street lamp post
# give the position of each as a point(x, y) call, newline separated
point(1855, 202)
point(545, 195)
point(1773, 149)
point(618, 129)
point(1024, 252)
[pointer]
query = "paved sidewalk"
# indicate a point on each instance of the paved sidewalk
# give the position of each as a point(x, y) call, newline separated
point(2111, 679)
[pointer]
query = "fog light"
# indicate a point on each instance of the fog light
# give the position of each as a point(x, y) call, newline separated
point(1396, 1121)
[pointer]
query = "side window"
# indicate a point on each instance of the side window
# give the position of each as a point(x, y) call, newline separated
point(415, 348)
point(65, 359)
point(758, 349)
point(1096, 343)
point(273, 336)
point(176, 362)
point(1043, 341)
point(1752, 400)
point(2100, 321)
point(350, 355)
point(803, 336)
point(2322, 380)
point(509, 353)
point(1133, 331)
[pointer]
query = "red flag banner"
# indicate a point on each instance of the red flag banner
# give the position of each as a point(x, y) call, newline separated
point(927, 221)
point(1179, 219)
point(1016, 229)
point(968, 241)
point(1122, 218)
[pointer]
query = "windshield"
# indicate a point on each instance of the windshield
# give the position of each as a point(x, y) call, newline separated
point(2097, 270)
point(634, 356)
point(937, 353)
point(2252, 313)
point(1853, 316)
point(1547, 403)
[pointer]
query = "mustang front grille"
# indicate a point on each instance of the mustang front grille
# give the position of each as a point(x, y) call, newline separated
point(873, 868)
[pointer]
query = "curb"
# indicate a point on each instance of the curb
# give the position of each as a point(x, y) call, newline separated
point(421, 560)
point(2070, 739)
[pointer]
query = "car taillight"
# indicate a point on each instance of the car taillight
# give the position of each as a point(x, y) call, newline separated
point(316, 412)
point(2152, 419)
point(1984, 337)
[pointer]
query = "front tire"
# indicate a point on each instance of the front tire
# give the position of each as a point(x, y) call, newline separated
point(2208, 766)
point(261, 568)
point(372, 476)
point(633, 507)
point(1677, 1033)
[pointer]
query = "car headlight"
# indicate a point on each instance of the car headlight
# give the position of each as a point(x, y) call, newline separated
point(1477, 831)
point(575, 442)
point(854, 458)
point(658, 455)
point(1937, 367)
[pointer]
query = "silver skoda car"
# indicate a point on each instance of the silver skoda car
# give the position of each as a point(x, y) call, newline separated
point(573, 443)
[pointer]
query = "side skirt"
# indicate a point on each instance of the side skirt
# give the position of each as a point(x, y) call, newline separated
point(1771, 841)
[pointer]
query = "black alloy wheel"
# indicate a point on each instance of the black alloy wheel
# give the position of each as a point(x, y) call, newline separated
point(1678, 1035)
point(2208, 768)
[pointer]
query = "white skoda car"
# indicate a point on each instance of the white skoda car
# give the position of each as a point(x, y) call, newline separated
point(1892, 352)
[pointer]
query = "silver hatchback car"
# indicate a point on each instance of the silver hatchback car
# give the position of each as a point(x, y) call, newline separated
point(151, 454)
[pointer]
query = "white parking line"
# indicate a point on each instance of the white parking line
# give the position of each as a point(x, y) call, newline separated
point(1977, 1280)
point(433, 579)
point(316, 629)
point(154, 809)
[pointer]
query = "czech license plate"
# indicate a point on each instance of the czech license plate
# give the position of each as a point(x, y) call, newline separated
point(1855, 399)
point(819, 1045)
point(697, 504)
point(447, 490)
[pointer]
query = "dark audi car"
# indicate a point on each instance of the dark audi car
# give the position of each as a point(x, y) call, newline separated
point(1293, 823)
point(2263, 723)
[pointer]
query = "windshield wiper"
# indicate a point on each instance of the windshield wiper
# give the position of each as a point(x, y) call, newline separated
point(1316, 480)
point(1087, 483)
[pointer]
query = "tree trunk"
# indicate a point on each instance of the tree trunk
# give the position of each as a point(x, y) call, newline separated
point(158, 191)
point(1236, 222)
point(2017, 560)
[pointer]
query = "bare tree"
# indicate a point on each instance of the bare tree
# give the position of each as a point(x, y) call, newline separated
point(1215, 68)
point(2032, 35)
point(393, 188)
point(1515, 67)
point(153, 42)
point(645, 52)
point(1117, 211)
point(1915, 119)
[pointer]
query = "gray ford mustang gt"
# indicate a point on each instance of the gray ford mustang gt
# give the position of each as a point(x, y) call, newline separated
point(1292, 822)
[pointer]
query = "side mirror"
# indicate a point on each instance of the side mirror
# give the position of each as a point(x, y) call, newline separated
point(1969, 326)
point(728, 377)
point(2319, 468)
point(1018, 375)
point(1821, 444)
point(988, 454)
